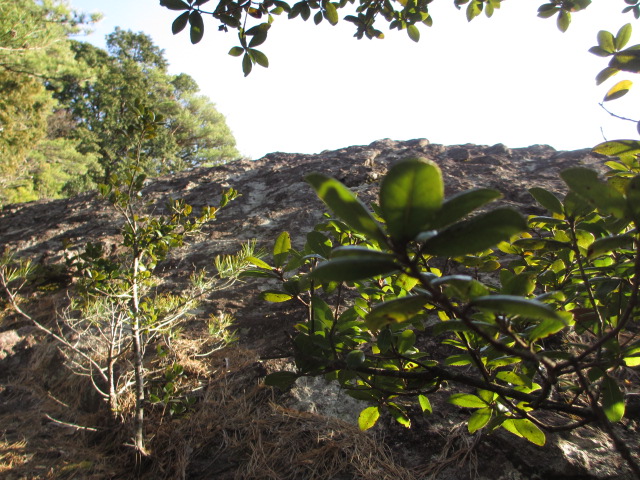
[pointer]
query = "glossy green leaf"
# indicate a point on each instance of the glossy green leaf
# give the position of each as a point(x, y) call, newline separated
point(612, 399)
point(368, 417)
point(394, 311)
point(514, 305)
point(331, 13)
point(585, 183)
point(545, 328)
point(457, 206)
point(425, 404)
point(196, 31)
point(618, 90)
point(346, 206)
point(413, 32)
point(282, 380)
point(623, 36)
point(410, 195)
point(547, 199)
point(476, 234)
point(281, 249)
point(275, 296)
point(467, 400)
point(527, 429)
point(179, 23)
point(609, 244)
point(606, 41)
point(479, 419)
point(349, 269)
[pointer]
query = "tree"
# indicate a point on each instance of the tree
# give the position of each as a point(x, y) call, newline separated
point(35, 59)
point(132, 69)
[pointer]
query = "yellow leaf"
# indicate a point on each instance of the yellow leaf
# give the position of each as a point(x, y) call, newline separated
point(618, 90)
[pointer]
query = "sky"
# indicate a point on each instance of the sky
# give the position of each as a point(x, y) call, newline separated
point(512, 79)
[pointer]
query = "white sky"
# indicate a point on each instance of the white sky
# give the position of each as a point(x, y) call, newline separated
point(513, 79)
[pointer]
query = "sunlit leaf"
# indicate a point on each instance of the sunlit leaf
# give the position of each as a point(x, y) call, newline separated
point(275, 296)
point(425, 404)
point(410, 195)
point(547, 199)
point(623, 36)
point(467, 400)
point(618, 90)
point(413, 32)
point(368, 417)
point(612, 399)
point(606, 41)
point(457, 206)
point(281, 249)
point(479, 419)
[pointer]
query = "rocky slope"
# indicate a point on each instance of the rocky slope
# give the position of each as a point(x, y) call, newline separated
point(275, 198)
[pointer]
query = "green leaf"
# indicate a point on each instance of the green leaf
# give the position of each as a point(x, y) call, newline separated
point(513, 305)
point(545, 328)
point(319, 243)
point(564, 20)
point(526, 429)
point(258, 263)
point(606, 41)
point(410, 195)
point(260, 58)
point(623, 36)
point(457, 206)
point(282, 380)
point(605, 74)
point(585, 183)
point(618, 90)
point(275, 296)
point(394, 311)
point(281, 249)
point(355, 358)
point(346, 206)
point(174, 4)
point(609, 244)
point(179, 23)
point(399, 415)
point(413, 32)
point(476, 234)
point(236, 51)
point(350, 269)
point(425, 404)
point(467, 400)
point(547, 199)
point(624, 149)
point(479, 419)
point(247, 64)
point(612, 399)
point(368, 417)
point(197, 26)
point(331, 13)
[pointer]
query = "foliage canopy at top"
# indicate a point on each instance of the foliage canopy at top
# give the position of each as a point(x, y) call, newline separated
point(253, 19)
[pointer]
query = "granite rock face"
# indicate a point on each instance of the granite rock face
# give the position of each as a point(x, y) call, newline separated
point(275, 198)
